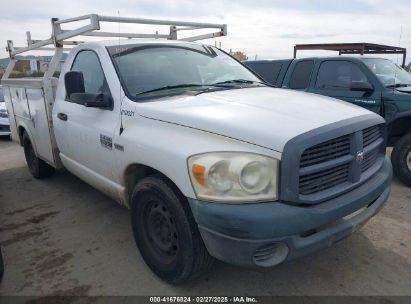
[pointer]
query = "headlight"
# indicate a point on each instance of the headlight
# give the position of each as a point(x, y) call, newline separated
point(3, 113)
point(233, 176)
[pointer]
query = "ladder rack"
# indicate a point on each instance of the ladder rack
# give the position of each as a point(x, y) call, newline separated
point(59, 37)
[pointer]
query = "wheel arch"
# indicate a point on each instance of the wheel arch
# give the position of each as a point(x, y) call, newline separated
point(398, 126)
point(136, 172)
point(21, 129)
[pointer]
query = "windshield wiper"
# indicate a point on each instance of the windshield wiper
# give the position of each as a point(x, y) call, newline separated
point(222, 84)
point(185, 85)
point(399, 85)
point(239, 81)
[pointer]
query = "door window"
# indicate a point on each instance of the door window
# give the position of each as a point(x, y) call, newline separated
point(88, 63)
point(268, 71)
point(338, 75)
point(301, 75)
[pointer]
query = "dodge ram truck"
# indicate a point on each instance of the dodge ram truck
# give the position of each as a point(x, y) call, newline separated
point(376, 84)
point(211, 161)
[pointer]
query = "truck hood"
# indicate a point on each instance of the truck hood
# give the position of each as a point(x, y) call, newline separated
point(263, 116)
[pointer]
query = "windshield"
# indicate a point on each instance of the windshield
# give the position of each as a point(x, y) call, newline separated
point(388, 72)
point(154, 70)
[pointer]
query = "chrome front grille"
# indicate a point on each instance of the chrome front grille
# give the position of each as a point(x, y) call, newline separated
point(339, 161)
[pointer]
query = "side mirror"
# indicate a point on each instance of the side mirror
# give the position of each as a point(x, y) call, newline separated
point(361, 86)
point(74, 83)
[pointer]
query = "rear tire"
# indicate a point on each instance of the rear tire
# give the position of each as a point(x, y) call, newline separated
point(37, 167)
point(401, 159)
point(165, 231)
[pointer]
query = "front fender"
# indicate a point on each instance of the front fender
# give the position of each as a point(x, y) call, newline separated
point(166, 147)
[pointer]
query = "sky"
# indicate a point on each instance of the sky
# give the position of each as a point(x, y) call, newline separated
point(263, 29)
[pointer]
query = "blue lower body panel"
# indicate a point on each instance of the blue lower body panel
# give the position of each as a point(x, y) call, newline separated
point(240, 233)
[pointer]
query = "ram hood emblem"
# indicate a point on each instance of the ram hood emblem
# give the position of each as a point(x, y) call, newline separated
point(360, 156)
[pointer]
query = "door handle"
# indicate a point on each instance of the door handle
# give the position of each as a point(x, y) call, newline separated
point(62, 116)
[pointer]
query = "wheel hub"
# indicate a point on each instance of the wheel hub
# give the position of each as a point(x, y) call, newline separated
point(161, 229)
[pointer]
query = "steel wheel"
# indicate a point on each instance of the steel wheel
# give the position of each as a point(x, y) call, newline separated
point(165, 231)
point(160, 231)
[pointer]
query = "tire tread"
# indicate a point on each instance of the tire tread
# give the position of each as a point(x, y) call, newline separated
point(42, 169)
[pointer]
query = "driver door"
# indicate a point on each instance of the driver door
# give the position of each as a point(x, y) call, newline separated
point(334, 78)
point(85, 134)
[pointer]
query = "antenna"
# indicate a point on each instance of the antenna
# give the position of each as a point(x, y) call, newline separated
point(119, 86)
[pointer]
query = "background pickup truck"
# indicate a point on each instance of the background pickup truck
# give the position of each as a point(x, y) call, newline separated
point(211, 162)
point(376, 84)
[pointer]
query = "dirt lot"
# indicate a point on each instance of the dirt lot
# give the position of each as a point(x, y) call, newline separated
point(61, 237)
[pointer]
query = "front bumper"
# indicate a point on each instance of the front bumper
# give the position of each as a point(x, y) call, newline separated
point(249, 234)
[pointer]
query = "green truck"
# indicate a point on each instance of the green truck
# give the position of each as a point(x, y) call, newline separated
point(376, 84)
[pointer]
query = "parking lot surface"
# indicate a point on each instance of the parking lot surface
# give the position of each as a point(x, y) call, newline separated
point(60, 236)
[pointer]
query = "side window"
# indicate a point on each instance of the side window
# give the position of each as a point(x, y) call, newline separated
point(88, 63)
point(338, 75)
point(266, 70)
point(300, 77)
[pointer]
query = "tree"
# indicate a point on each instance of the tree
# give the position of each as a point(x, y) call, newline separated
point(239, 55)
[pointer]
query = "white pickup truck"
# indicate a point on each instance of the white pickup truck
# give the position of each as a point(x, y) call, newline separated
point(211, 161)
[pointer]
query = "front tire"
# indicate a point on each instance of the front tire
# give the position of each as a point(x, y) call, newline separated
point(37, 167)
point(165, 231)
point(401, 159)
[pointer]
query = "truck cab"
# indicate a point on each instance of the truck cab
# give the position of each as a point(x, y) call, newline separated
point(376, 84)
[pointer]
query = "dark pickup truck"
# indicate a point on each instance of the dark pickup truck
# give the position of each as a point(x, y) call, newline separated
point(376, 84)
